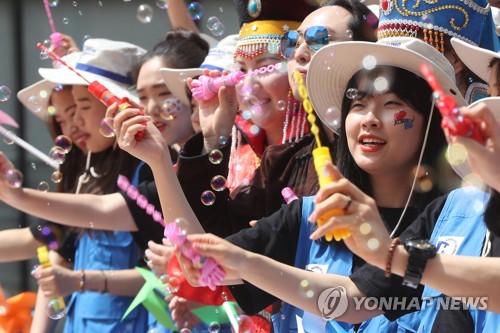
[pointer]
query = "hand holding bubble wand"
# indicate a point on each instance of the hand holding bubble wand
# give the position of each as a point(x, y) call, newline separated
point(456, 123)
point(56, 308)
point(7, 120)
point(55, 37)
point(211, 274)
point(98, 90)
point(207, 87)
point(321, 155)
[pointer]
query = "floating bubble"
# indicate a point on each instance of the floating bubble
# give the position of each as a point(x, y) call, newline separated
point(427, 21)
point(57, 154)
point(152, 330)
point(247, 114)
point(47, 43)
point(35, 272)
point(5, 93)
point(225, 296)
point(365, 228)
point(218, 183)
point(182, 224)
point(222, 140)
point(43, 55)
point(100, 3)
point(283, 68)
point(351, 93)
point(80, 13)
point(64, 142)
point(348, 33)
point(127, 0)
point(472, 180)
point(33, 166)
point(245, 324)
point(185, 330)
point(43, 93)
point(221, 9)
point(195, 10)
point(369, 62)
point(214, 327)
point(55, 310)
point(457, 154)
point(211, 21)
point(381, 84)
point(65, 20)
point(9, 137)
point(281, 105)
point(424, 178)
point(170, 107)
point(56, 177)
point(208, 198)
point(36, 103)
point(14, 178)
point(171, 284)
point(75, 3)
point(254, 129)
point(162, 4)
point(144, 13)
point(43, 186)
point(218, 29)
point(51, 110)
point(86, 37)
point(215, 156)
point(107, 128)
point(373, 244)
point(53, 3)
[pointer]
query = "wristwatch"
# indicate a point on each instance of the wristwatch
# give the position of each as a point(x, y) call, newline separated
point(420, 250)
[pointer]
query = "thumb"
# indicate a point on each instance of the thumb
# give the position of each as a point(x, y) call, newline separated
point(228, 102)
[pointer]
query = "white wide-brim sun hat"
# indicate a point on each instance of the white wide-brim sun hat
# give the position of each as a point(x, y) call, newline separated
point(36, 96)
point(475, 58)
point(334, 65)
point(109, 62)
point(219, 58)
point(462, 169)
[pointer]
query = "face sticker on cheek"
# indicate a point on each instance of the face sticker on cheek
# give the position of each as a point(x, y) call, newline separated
point(400, 118)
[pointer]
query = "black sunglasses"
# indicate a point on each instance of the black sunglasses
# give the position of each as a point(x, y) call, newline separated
point(315, 37)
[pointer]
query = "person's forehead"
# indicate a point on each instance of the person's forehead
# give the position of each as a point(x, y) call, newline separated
point(332, 17)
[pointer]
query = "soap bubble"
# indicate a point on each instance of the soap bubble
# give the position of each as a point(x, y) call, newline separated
point(14, 178)
point(162, 4)
point(56, 177)
point(171, 284)
point(281, 105)
point(57, 154)
point(218, 29)
point(64, 142)
point(107, 128)
point(218, 183)
point(5, 93)
point(55, 310)
point(43, 186)
point(214, 327)
point(245, 324)
point(53, 3)
point(145, 13)
point(9, 137)
point(208, 198)
point(215, 156)
point(195, 10)
point(65, 20)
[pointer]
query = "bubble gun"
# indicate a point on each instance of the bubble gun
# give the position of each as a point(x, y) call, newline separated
point(98, 90)
point(211, 273)
point(321, 155)
point(43, 257)
point(456, 123)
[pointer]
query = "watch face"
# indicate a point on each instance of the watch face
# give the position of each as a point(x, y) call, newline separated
point(420, 244)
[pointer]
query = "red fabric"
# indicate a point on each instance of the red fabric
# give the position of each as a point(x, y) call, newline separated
point(201, 295)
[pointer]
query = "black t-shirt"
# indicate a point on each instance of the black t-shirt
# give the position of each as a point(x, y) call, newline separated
point(276, 237)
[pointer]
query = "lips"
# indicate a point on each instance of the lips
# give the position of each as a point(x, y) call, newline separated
point(259, 102)
point(160, 125)
point(81, 139)
point(371, 143)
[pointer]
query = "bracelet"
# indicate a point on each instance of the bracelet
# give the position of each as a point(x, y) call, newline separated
point(82, 280)
point(105, 288)
point(390, 254)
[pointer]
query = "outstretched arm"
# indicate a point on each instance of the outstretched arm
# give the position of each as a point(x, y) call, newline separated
point(82, 210)
point(178, 15)
point(17, 244)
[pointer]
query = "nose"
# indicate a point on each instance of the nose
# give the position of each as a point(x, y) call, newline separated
point(152, 108)
point(370, 120)
point(77, 119)
point(303, 53)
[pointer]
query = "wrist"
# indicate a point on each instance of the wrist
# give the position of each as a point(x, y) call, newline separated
point(209, 144)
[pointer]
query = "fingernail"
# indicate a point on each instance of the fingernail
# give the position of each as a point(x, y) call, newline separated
point(127, 140)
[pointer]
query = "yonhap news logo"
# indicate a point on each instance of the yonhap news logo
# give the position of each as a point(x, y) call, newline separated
point(332, 302)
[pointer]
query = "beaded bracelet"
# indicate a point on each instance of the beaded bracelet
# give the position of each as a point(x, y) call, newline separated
point(390, 254)
point(82, 280)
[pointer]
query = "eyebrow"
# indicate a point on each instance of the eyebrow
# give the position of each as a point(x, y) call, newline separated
point(69, 107)
point(155, 86)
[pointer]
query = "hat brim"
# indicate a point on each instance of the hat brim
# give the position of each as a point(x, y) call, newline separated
point(66, 76)
point(175, 80)
point(475, 58)
point(40, 108)
point(333, 66)
point(493, 103)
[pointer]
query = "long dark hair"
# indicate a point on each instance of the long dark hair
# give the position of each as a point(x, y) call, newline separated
point(413, 90)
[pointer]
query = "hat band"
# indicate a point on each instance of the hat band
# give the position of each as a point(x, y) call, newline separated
point(211, 67)
point(107, 74)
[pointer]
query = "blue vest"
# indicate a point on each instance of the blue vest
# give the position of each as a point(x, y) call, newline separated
point(90, 311)
point(459, 230)
point(322, 257)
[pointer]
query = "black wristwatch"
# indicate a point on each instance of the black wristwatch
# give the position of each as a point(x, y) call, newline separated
point(420, 250)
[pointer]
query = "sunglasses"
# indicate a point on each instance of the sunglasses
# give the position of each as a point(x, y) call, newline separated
point(315, 37)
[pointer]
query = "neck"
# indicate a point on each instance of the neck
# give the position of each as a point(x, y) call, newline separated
point(390, 191)
point(273, 135)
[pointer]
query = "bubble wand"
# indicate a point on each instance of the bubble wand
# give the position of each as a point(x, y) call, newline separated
point(6, 119)
point(456, 123)
point(98, 90)
point(55, 37)
point(207, 87)
point(57, 303)
point(321, 155)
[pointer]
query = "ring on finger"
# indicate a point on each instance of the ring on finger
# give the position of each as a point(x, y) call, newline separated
point(347, 204)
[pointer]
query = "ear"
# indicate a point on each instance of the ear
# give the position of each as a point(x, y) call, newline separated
point(455, 61)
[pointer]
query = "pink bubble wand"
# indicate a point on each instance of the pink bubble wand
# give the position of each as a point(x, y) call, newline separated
point(55, 37)
point(212, 274)
point(207, 87)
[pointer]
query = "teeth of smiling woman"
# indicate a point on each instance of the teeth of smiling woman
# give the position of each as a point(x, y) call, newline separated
point(372, 141)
